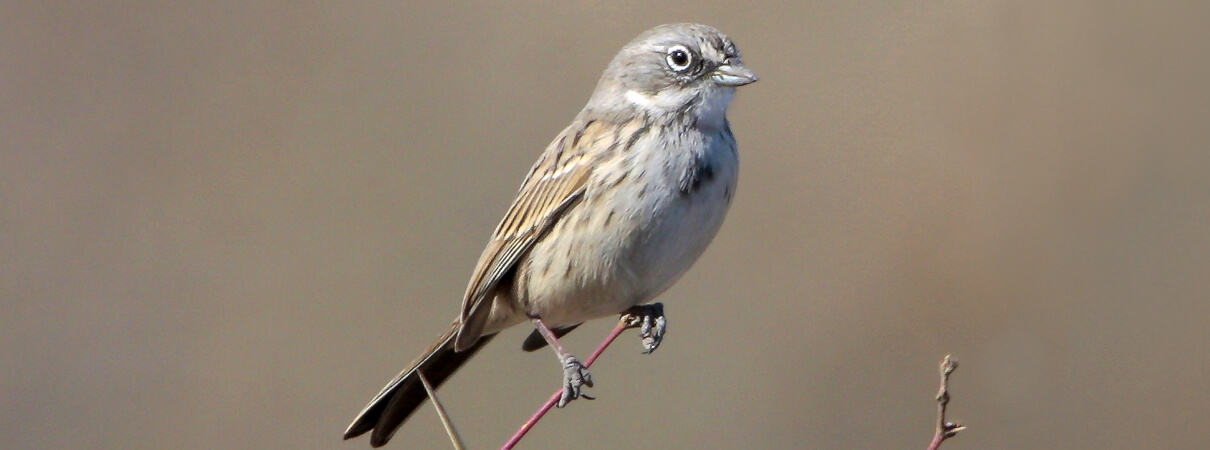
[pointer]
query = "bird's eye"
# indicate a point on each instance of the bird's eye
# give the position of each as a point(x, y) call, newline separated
point(679, 58)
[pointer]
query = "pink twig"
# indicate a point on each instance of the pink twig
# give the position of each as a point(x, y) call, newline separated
point(945, 429)
point(625, 322)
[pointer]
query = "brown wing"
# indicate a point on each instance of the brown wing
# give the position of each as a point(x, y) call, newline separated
point(554, 185)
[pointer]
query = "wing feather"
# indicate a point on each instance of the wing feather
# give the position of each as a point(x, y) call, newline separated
point(555, 185)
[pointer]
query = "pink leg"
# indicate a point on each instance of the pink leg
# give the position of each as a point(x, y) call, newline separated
point(575, 375)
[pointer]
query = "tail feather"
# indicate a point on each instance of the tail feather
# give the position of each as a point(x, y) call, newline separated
point(535, 340)
point(400, 398)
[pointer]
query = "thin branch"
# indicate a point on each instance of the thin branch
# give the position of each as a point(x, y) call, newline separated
point(945, 430)
point(445, 418)
point(627, 321)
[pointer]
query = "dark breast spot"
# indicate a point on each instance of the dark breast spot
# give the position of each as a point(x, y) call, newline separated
point(700, 172)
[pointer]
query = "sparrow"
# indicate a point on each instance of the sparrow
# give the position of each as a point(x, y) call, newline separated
point(615, 210)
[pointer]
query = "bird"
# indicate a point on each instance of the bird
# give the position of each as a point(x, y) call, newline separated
point(617, 208)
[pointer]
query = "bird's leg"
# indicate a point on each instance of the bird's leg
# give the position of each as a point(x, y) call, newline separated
point(651, 322)
point(575, 375)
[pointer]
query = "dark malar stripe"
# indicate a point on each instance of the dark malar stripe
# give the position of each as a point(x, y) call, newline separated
point(639, 133)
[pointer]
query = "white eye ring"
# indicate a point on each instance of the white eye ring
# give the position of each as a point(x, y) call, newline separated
point(679, 58)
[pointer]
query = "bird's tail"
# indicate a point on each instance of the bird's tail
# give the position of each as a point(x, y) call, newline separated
point(400, 398)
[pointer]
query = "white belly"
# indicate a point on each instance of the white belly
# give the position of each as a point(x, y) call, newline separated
point(629, 241)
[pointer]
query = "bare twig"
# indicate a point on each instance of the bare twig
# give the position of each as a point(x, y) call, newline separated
point(445, 418)
point(627, 321)
point(945, 430)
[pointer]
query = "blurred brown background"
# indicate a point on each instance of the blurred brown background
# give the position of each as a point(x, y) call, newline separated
point(226, 226)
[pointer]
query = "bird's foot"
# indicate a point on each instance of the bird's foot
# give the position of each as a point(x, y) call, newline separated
point(651, 322)
point(575, 377)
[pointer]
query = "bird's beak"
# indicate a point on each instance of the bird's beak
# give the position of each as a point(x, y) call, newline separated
point(733, 74)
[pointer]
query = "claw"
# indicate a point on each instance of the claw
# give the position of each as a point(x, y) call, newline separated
point(652, 325)
point(575, 377)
